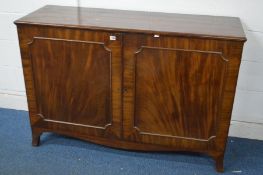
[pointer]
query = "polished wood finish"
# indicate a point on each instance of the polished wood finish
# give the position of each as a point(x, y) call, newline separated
point(169, 92)
point(202, 26)
point(73, 87)
point(80, 99)
point(98, 77)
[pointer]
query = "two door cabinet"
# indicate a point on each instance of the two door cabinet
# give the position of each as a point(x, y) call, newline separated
point(132, 80)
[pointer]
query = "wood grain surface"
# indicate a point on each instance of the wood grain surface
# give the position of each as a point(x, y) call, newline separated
point(137, 21)
point(70, 93)
point(175, 94)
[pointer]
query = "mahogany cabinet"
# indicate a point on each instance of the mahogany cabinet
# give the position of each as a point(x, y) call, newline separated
point(132, 80)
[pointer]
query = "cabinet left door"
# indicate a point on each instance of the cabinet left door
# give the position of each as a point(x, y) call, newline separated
point(73, 80)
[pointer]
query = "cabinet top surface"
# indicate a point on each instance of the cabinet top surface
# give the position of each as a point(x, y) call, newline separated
point(228, 28)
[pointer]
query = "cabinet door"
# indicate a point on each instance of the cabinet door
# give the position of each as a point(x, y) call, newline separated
point(173, 91)
point(76, 79)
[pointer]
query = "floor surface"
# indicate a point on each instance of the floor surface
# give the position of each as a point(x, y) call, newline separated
point(61, 155)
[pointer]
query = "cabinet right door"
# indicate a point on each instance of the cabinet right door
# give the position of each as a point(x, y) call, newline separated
point(173, 90)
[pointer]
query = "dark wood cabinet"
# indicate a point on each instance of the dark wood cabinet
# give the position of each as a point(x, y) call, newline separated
point(132, 80)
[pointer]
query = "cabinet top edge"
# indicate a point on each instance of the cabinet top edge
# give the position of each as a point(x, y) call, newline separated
point(204, 26)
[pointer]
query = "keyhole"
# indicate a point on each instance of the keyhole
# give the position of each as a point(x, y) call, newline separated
point(125, 90)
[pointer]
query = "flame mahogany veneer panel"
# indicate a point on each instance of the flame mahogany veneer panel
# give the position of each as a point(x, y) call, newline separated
point(63, 96)
point(175, 92)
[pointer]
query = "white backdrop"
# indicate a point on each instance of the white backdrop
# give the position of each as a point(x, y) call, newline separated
point(248, 108)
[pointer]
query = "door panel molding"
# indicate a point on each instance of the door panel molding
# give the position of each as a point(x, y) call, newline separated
point(104, 48)
point(208, 55)
point(185, 50)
